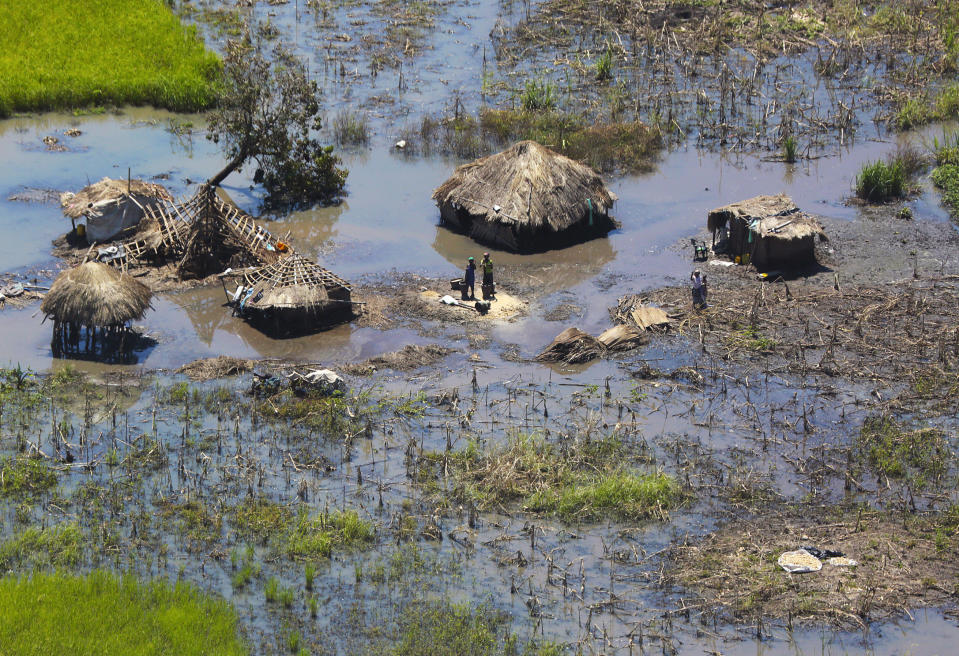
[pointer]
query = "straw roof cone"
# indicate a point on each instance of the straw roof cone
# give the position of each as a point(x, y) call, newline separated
point(95, 294)
point(526, 198)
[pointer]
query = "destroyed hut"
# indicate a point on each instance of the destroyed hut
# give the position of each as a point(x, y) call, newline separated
point(111, 206)
point(91, 307)
point(293, 296)
point(768, 231)
point(526, 199)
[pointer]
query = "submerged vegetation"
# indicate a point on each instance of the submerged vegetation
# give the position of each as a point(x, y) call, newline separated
point(70, 54)
point(101, 613)
point(579, 481)
point(612, 146)
point(946, 174)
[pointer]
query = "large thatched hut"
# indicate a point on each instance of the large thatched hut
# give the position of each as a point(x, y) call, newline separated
point(526, 199)
point(91, 306)
point(293, 296)
point(769, 231)
point(111, 206)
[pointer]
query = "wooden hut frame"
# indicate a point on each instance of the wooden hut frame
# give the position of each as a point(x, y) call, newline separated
point(205, 235)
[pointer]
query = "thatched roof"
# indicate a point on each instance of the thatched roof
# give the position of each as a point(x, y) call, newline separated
point(76, 205)
point(775, 217)
point(292, 282)
point(94, 294)
point(530, 184)
point(572, 346)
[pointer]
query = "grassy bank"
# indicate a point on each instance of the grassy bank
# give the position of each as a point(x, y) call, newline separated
point(72, 54)
point(103, 614)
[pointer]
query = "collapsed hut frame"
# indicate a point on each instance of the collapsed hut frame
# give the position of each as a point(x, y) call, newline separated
point(316, 297)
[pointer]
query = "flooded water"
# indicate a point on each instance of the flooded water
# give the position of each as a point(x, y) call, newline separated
point(387, 228)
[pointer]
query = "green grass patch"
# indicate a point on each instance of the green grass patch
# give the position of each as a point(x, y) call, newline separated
point(946, 179)
point(579, 480)
point(920, 456)
point(451, 629)
point(56, 546)
point(312, 537)
point(916, 112)
point(23, 477)
point(946, 174)
point(618, 494)
point(880, 181)
point(101, 613)
point(68, 54)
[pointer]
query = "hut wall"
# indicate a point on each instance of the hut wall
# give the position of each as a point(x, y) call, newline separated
point(738, 241)
point(774, 253)
point(523, 239)
point(284, 323)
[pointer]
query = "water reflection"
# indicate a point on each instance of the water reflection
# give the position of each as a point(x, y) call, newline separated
point(555, 270)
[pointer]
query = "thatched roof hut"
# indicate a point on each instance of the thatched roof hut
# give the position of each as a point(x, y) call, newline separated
point(294, 296)
point(96, 295)
point(111, 206)
point(769, 231)
point(526, 199)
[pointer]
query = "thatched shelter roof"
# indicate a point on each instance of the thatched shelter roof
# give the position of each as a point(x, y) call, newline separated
point(95, 294)
point(572, 346)
point(293, 282)
point(528, 186)
point(775, 217)
point(76, 205)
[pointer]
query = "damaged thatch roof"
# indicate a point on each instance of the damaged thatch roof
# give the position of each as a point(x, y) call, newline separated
point(527, 184)
point(94, 294)
point(293, 282)
point(108, 189)
point(776, 217)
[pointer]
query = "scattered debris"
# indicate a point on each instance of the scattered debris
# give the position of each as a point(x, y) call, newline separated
point(318, 382)
point(572, 346)
point(218, 367)
point(622, 338)
point(799, 561)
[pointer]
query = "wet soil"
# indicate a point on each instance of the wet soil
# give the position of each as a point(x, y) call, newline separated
point(901, 566)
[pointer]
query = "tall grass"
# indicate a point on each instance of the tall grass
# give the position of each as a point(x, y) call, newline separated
point(103, 614)
point(879, 181)
point(67, 54)
point(538, 95)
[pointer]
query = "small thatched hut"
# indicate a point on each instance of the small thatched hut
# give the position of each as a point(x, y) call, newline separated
point(526, 199)
point(293, 296)
point(769, 231)
point(99, 299)
point(111, 206)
